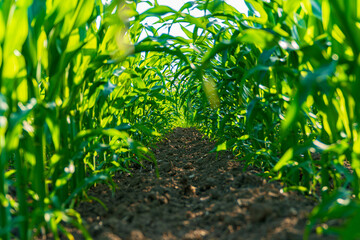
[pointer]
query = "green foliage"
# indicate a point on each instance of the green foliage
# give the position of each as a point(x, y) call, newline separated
point(74, 108)
point(85, 87)
point(277, 86)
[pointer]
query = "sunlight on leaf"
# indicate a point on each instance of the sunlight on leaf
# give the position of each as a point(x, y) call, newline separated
point(262, 38)
point(284, 160)
point(211, 92)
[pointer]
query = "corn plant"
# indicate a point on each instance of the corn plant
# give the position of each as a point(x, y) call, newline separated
point(86, 87)
point(277, 85)
point(69, 113)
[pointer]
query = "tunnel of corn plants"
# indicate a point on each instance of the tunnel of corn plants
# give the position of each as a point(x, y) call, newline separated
point(101, 99)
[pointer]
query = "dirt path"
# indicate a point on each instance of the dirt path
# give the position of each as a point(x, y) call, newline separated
point(198, 196)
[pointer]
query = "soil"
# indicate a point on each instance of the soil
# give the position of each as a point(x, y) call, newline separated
point(199, 195)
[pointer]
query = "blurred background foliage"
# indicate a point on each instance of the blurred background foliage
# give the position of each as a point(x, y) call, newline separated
point(87, 87)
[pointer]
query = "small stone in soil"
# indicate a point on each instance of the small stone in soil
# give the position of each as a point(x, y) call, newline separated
point(259, 212)
point(137, 235)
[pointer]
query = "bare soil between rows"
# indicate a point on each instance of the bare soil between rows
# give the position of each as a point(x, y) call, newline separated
point(199, 195)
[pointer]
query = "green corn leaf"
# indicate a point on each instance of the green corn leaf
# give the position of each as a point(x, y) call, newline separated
point(290, 118)
point(58, 11)
point(325, 7)
point(187, 5)
point(24, 3)
point(256, 6)
point(2, 26)
point(86, 9)
point(259, 37)
point(221, 147)
point(284, 160)
point(15, 37)
point(218, 6)
point(156, 11)
point(188, 33)
point(199, 22)
point(1, 56)
point(316, 9)
point(90, 133)
point(4, 107)
point(251, 112)
point(296, 188)
point(54, 127)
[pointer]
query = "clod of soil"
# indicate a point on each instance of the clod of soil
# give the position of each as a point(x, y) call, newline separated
point(199, 195)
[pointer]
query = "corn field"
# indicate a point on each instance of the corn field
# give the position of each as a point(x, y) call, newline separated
point(87, 87)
